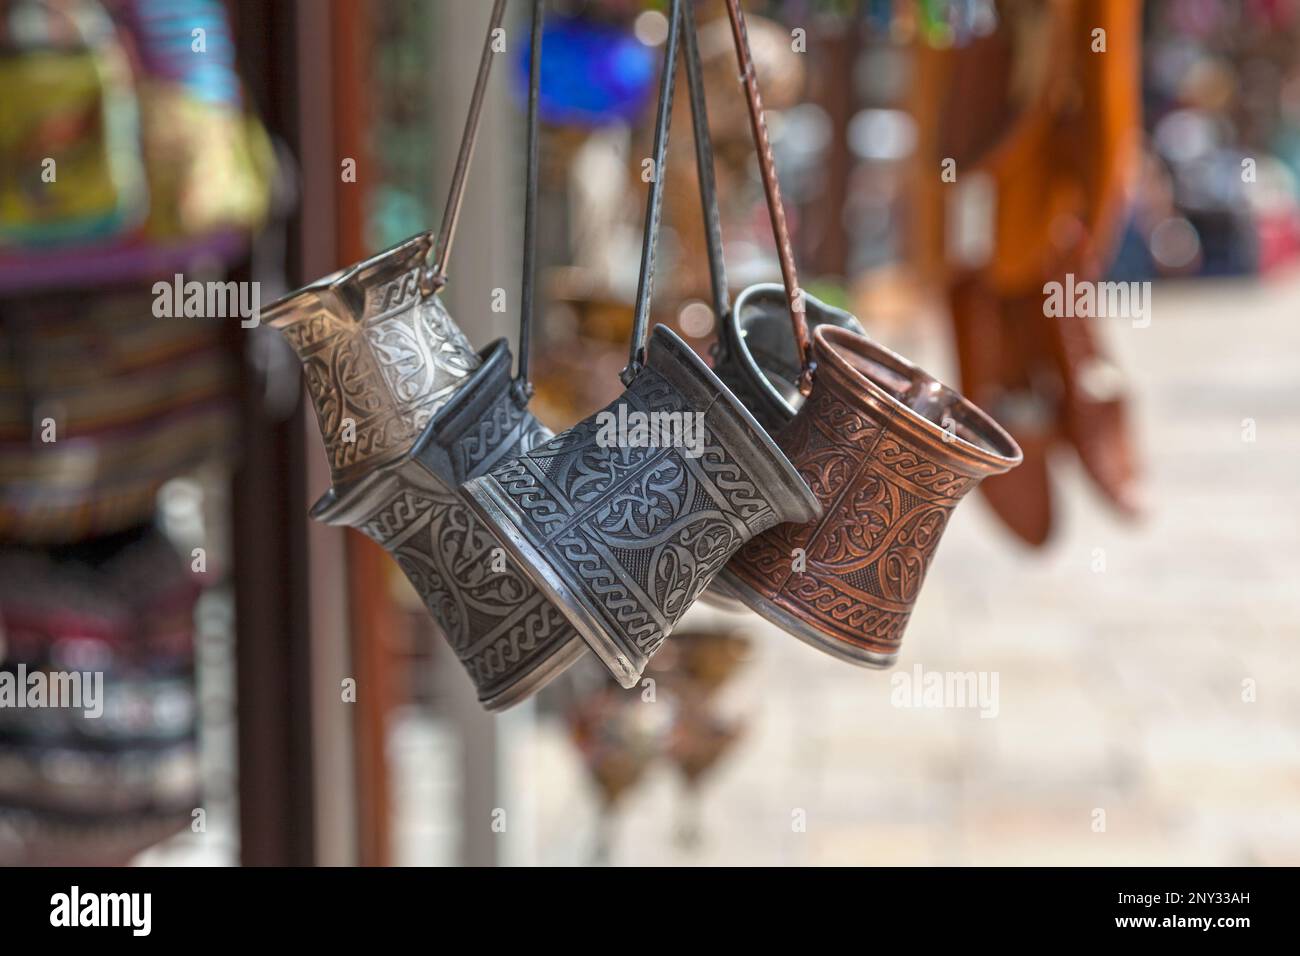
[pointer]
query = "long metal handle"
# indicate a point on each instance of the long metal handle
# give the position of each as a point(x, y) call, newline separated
point(705, 169)
point(654, 200)
point(775, 209)
point(523, 387)
point(435, 276)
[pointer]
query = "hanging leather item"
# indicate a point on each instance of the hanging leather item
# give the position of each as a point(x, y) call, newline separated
point(996, 354)
point(1058, 177)
point(1105, 136)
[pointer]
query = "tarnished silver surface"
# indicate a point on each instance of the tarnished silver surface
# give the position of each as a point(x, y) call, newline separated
point(408, 411)
point(379, 356)
point(624, 538)
point(509, 638)
point(624, 533)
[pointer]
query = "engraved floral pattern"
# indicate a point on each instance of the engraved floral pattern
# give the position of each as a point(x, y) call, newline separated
point(885, 506)
point(385, 368)
point(388, 366)
point(500, 626)
point(637, 532)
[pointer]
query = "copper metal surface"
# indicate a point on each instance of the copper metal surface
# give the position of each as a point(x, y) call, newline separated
point(889, 452)
point(757, 354)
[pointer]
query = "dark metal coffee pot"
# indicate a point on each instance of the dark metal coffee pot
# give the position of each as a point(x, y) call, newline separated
point(623, 533)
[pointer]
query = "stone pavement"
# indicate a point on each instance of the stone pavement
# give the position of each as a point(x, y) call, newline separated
point(1148, 711)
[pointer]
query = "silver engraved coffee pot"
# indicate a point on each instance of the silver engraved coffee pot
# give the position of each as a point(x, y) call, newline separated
point(408, 411)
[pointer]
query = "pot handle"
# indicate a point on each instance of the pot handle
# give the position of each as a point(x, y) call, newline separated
point(435, 274)
point(705, 169)
point(654, 199)
point(772, 189)
point(523, 386)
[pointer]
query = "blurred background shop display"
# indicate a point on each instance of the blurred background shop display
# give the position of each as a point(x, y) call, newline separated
point(1130, 588)
point(129, 156)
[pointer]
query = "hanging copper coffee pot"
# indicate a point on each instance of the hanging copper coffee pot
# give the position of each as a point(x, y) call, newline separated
point(624, 533)
point(888, 450)
point(408, 411)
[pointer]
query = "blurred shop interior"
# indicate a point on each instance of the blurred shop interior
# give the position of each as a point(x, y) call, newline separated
point(156, 473)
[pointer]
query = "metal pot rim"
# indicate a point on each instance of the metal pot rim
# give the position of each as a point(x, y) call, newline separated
point(328, 287)
point(734, 324)
point(990, 449)
point(540, 676)
point(857, 654)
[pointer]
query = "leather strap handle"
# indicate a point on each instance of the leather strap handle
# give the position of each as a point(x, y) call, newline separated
point(772, 189)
